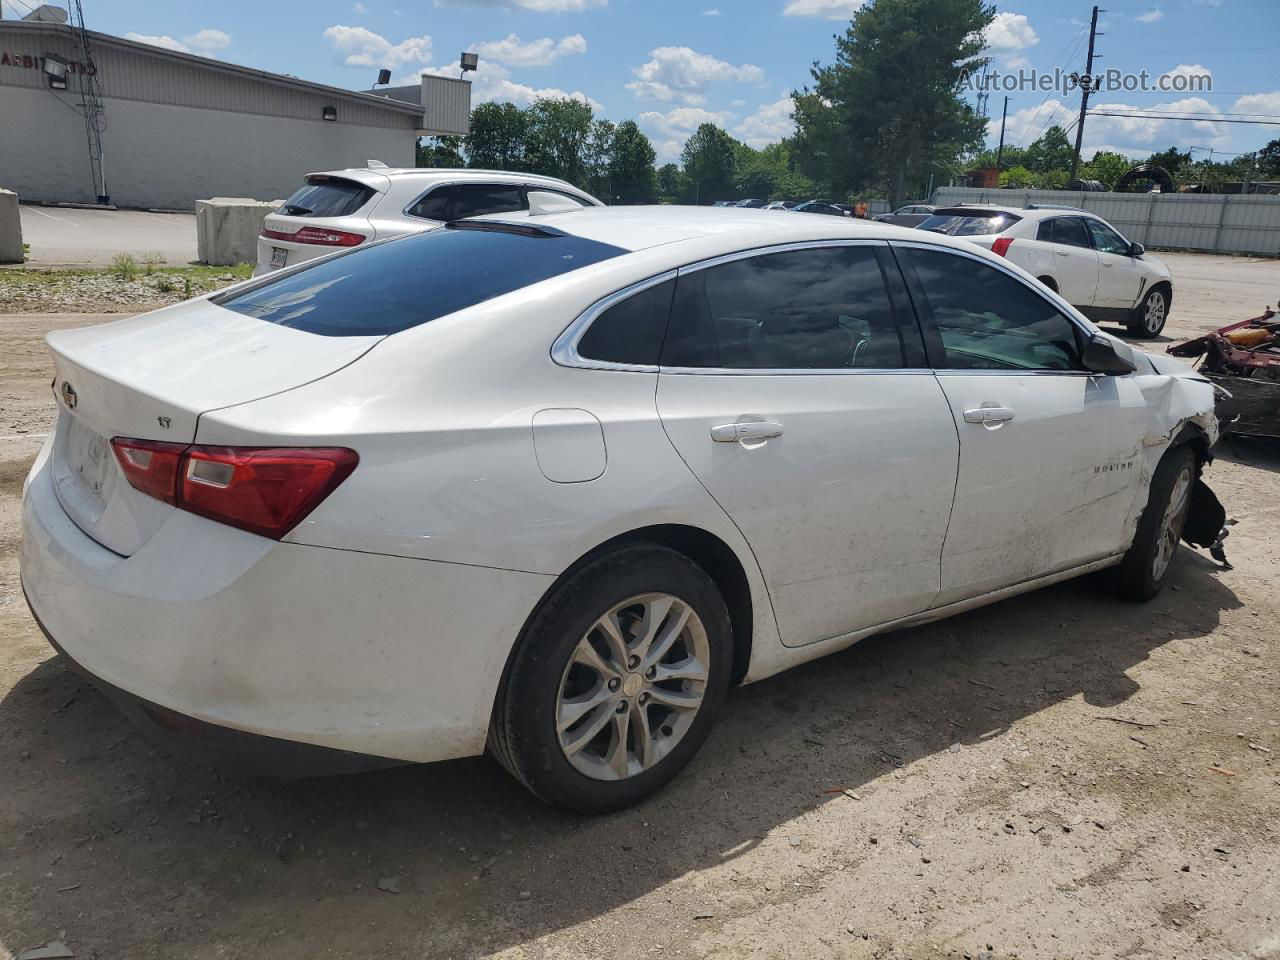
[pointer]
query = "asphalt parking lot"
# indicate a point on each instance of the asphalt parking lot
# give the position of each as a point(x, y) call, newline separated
point(1058, 775)
point(61, 236)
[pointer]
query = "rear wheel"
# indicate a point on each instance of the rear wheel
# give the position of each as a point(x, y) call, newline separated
point(1142, 573)
point(1149, 316)
point(616, 681)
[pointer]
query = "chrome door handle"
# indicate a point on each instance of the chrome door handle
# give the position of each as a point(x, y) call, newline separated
point(1062, 253)
point(746, 430)
point(985, 414)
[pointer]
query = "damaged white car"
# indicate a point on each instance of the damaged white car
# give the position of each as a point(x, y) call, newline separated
point(551, 487)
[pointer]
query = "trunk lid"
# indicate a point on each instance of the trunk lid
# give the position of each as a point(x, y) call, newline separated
point(151, 377)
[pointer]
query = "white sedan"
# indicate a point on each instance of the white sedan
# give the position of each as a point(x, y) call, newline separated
point(1074, 253)
point(551, 487)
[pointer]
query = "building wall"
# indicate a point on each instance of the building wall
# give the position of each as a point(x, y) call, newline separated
point(162, 155)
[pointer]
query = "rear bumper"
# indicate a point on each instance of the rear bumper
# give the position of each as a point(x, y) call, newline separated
point(365, 654)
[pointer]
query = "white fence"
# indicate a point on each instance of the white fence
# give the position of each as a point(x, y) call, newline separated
point(1203, 222)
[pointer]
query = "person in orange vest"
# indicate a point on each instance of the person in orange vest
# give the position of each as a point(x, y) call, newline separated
point(860, 211)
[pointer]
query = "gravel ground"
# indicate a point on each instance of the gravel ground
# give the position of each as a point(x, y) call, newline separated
point(29, 290)
point(1058, 775)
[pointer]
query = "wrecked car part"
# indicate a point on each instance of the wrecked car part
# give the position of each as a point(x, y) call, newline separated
point(1242, 361)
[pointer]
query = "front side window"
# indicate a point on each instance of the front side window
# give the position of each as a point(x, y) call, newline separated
point(987, 320)
point(825, 308)
point(460, 200)
point(1107, 240)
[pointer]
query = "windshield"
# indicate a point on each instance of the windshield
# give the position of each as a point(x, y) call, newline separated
point(969, 223)
point(401, 283)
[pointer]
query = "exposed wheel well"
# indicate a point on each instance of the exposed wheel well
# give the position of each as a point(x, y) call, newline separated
point(1049, 282)
point(716, 558)
point(1191, 435)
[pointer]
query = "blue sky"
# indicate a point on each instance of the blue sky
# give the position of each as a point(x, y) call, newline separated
point(672, 65)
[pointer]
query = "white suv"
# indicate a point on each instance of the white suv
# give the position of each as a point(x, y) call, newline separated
point(1077, 255)
point(345, 208)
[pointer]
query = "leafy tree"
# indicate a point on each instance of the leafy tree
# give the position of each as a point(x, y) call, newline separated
point(1017, 177)
point(757, 180)
point(498, 138)
point(439, 152)
point(1268, 159)
point(888, 112)
point(710, 161)
point(597, 155)
point(1106, 166)
point(1052, 179)
point(1052, 151)
point(558, 134)
point(670, 183)
point(1172, 160)
point(631, 165)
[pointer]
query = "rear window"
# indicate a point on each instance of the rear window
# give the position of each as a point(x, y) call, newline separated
point(969, 223)
point(327, 197)
point(401, 283)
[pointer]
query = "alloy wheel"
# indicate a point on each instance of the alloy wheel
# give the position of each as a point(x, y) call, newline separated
point(632, 687)
point(1153, 315)
point(1171, 523)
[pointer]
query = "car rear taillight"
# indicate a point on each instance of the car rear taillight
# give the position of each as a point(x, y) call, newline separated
point(1001, 246)
point(318, 235)
point(265, 490)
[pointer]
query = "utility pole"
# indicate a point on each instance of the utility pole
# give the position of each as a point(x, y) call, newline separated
point(1086, 85)
point(1004, 115)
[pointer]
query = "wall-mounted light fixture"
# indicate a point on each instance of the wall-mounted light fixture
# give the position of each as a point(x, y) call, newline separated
point(329, 113)
point(55, 68)
point(469, 61)
point(384, 77)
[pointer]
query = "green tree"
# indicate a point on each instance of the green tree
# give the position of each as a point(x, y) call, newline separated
point(1052, 151)
point(498, 138)
point(1017, 177)
point(710, 161)
point(631, 165)
point(670, 183)
point(1107, 167)
point(598, 157)
point(888, 112)
point(439, 152)
point(558, 133)
point(1269, 159)
point(1172, 160)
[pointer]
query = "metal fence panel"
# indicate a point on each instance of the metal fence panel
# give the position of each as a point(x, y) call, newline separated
point(1202, 222)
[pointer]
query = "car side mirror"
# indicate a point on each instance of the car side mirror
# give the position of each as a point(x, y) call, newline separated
point(1112, 357)
point(1136, 249)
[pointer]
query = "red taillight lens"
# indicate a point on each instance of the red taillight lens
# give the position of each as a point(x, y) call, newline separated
point(151, 466)
point(1001, 246)
point(265, 490)
point(318, 235)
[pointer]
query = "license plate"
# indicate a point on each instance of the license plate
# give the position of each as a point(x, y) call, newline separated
point(89, 456)
point(278, 256)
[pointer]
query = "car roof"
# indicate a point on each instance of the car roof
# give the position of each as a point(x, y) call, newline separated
point(725, 230)
point(378, 176)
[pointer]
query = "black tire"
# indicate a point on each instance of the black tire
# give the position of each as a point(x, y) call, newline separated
point(522, 731)
point(1136, 578)
point(1148, 318)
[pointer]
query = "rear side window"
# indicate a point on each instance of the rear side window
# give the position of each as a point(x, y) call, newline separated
point(630, 331)
point(969, 223)
point(826, 308)
point(988, 320)
point(401, 283)
point(327, 197)
point(1069, 231)
point(461, 200)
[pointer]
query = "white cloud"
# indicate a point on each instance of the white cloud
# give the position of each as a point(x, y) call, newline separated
point(1132, 136)
point(1010, 31)
point(682, 74)
point(205, 42)
point(1264, 103)
point(829, 9)
point(158, 41)
point(359, 47)
point(713, 12)
point(492, 82)
point(535, 53)
point(537, 6)
point(770, 123)
point(1151, 16)
point(208, 41)
point(671, 129)
point(1192, 70)
point(359, 8)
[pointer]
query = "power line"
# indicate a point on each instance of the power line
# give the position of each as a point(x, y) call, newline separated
point(1166, 116)
point(1070, 50)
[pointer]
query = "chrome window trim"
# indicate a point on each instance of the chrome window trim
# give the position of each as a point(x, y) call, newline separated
point(565, 349)
point(780, 248)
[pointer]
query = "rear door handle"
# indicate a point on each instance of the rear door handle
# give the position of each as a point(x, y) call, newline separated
point(988, 414)
point(746, 430)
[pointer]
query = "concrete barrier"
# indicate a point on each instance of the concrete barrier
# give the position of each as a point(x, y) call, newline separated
point(10, 228)
point(227, 228)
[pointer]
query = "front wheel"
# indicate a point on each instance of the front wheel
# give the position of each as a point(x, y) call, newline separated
point(1145, 567)
point(616, 682)
point(1149, 316)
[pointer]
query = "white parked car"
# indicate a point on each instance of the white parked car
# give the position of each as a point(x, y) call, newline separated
point(345, 208)
point(1074, 253)
point(551, 486)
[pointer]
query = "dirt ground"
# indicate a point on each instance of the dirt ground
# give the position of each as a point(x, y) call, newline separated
point(1058, 775)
